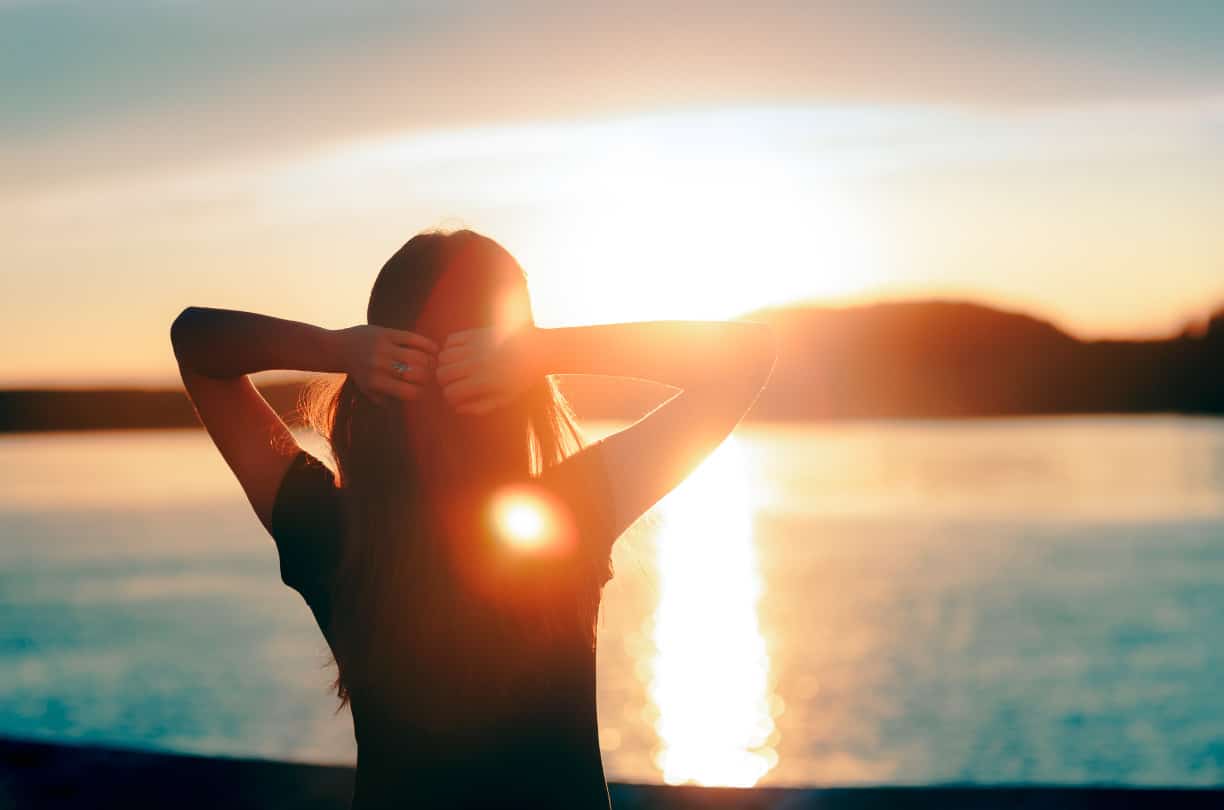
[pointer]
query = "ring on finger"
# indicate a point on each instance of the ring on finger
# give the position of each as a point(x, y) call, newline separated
point(400, 369)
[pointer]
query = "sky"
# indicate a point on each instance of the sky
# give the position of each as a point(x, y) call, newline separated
point(642, 160)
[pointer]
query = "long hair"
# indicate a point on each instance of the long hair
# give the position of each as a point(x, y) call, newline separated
point(426, 604)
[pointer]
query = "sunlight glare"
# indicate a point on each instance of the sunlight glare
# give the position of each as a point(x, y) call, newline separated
point(528, 521)
point(710, 681)
point(660, 227)
point(524, 524)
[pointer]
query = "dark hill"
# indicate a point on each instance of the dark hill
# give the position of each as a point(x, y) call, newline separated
point(920, 359)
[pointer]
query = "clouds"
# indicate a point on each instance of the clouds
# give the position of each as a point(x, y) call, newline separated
point(88, 87)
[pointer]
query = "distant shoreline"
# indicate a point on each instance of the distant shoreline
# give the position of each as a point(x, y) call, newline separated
point(53, 420)
point(914, 360)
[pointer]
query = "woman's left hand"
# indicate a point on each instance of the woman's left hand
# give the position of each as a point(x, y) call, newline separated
point(481, 370)
point(387, 362)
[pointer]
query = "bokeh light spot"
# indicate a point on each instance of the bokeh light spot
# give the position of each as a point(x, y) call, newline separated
point(529, 520)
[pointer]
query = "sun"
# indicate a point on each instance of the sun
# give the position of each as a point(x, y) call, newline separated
point(664, 235)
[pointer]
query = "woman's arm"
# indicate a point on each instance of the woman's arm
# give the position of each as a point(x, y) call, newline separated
point(720, 368)
point(480, 371)
point(216, 350)
point(682, 354)
point(223, 343)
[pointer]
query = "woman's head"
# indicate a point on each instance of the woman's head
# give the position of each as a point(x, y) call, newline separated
point(435, 285)
point(414, 473)
point(439, 283)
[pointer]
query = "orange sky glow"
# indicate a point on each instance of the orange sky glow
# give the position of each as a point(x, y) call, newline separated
point(633, 174)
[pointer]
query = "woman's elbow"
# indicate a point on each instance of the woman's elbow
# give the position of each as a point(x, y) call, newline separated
point(182, 327)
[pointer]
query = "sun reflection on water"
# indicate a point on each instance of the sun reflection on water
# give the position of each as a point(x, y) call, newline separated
point(710, 679)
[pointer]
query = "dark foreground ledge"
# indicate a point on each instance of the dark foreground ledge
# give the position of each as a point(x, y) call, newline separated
point(48, 775)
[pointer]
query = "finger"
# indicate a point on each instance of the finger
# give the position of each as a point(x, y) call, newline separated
point(466, 389)
point(462, 337)
point(400, 389)
point(480, 407)
point(402, 337)
point(453, 372)
point(420, 364)
point(414, 375)
point(453, 355)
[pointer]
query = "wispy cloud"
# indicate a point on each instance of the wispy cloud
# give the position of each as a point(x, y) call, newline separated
point(89, 87)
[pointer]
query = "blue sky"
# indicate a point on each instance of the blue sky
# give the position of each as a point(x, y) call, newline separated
point(309, 72)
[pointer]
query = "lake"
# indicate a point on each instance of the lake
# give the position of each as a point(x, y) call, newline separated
point(1030, 600)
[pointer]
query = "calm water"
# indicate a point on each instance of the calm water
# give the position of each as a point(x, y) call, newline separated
point(1030, 600)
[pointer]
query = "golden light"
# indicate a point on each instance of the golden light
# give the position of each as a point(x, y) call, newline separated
point(529, 520)
point(666, 231)
point(524, 525)
point(710, 680)
point(649, 217)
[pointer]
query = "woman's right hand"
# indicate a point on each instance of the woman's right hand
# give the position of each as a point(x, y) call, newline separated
point(483, 369)
point(387, 362)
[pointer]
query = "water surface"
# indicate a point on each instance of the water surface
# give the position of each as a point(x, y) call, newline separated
point(992, 601)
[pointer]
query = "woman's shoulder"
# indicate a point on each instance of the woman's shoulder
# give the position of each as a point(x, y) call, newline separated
point(581, 483)
point(308, 485)
point(306, 521)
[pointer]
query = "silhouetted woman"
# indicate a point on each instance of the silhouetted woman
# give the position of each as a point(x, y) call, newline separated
point(455, 559)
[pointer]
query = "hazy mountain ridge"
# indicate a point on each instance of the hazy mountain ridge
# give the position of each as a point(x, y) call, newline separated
point(947, 359)
point(914, 359)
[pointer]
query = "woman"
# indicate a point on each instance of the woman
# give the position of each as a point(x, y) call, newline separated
point(464, 636)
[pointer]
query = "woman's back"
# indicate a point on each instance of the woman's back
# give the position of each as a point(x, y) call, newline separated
point(460, 729)
point(533, 745)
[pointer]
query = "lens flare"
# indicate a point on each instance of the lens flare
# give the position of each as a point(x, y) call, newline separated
point(523, 525)
point(529, 520)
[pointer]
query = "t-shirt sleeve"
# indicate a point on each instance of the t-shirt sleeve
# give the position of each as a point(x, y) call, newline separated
point(306, 524)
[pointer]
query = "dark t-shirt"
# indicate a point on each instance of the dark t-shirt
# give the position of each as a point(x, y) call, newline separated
point(547, 757)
